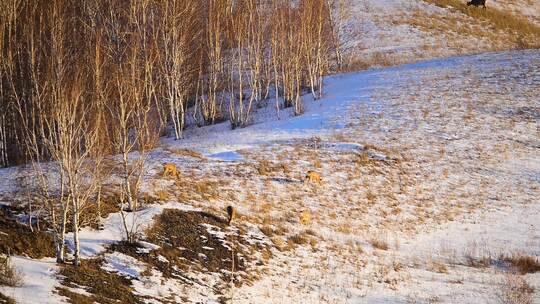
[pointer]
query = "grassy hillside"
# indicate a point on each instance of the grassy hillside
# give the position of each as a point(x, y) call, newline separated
point(386, 33)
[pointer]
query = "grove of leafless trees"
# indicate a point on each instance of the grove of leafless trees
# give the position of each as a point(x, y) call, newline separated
point(80, 80)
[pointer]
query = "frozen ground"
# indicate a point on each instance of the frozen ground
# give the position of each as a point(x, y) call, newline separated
point(431, 173)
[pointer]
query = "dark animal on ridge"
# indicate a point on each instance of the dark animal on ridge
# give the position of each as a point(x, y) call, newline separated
point(477, 3)
point(231, 212)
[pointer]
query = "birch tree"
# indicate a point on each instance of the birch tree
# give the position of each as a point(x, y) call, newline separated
point(315, 42)
point(181, 33)
point(21, 60)
point(212, 68)
point(247, 59)
point(131, 100)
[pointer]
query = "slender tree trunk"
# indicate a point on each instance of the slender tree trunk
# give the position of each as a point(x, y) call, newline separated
point(60, 236)
point(76, 242)
point(3, 136)
point(127, 187)
point(98, 213)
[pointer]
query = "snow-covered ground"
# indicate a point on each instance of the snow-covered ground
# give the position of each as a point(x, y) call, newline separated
point(383, 33)
point(529, 9)
point(428, 169)
point(469, 129)
point(38, 284)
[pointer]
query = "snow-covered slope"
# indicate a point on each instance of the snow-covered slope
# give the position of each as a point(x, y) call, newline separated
point(389, 32)
point(431, 179)
point(529, 9)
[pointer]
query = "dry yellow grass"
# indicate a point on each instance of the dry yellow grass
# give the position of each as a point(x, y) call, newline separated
point(9, 274)
point(523, 263)
point(185, 152)
point(379, 243)
point(305, 218)
point(515, 289)
point(525, 33)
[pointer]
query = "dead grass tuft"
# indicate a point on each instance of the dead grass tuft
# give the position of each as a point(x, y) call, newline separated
point(523, 263)
point(207, 189)
point(379, 243)
point(438, 267)
point(398, 266)
point(186, 152)
point(363, 159)
point(515, 289)
point(299, 239)
point(9, 274)
point(268, 231)
point(163, 195)
point(305, 218)
point(264, 167)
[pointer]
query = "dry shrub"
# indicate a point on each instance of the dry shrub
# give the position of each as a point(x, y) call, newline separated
point(363, 159)
point(267, 230)
point(279, 243)
point(285, 168)
point(9, 274)
point(109, 203)
point(371, 197)
point(478, 262)
point(6, 300)
point(163, 195)
point(515, 289)
point(438, 267)
point(345, 228)
point(207, 189)
point(305, 218)
point(147, 271)
point(18, 239)
point(478, 256)
point(397, 266)
point(378, 59)
point(379, 243)
point(265, 208)
point(382, 59)
point(299, 239)
point(264, 167)
point(523, 263)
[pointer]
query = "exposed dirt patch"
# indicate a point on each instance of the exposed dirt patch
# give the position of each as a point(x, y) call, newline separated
point(195, 242)
point(17, 238)
point(6, 300)
point(182, 235)
point(108, 204)
point(104, 286)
